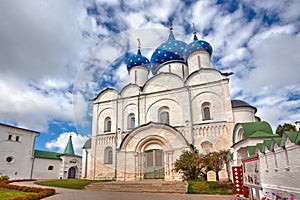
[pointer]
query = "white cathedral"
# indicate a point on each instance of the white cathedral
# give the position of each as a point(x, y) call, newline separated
point(139, 132)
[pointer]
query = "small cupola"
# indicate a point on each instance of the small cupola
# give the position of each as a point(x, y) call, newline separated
point(137, 67)
point(197, 53)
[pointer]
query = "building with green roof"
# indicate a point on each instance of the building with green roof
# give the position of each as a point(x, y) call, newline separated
point(53, 165)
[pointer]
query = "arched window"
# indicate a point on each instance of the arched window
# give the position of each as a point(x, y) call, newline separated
point(131, 121)
point(50, 167)
point(108, 155)
point(107, 124)
point(164, 115)
point(206, 111)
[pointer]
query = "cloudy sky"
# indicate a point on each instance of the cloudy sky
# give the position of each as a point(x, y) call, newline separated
point(56, 55)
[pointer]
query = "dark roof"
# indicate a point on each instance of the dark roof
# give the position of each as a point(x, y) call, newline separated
point(46, 154)
point(19, 128)
point(239, 103)
point(87, 144)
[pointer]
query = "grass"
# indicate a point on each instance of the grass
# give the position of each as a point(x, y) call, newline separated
point(77, 184)
point(204, 187)
point(7, 194)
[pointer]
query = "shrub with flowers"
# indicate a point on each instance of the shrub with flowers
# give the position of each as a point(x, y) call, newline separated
point(35, 192)
point(276, 196)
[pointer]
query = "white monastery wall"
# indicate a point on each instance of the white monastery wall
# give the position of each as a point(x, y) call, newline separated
point(16, 152)
point(42, 168)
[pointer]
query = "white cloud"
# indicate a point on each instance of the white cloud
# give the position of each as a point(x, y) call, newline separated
point(32, 107)
point(61, 141)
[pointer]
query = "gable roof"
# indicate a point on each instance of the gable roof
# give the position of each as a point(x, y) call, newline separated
point(46, 154)
point(268, 143)
point(259, 147)
point(291, 135)
point(251, 150)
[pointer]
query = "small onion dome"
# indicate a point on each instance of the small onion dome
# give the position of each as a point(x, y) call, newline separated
point(197, 46)
point(137, 60)
point(171, 50)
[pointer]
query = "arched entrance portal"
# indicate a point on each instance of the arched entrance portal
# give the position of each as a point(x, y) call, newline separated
point(154, 168)
point(72, 173)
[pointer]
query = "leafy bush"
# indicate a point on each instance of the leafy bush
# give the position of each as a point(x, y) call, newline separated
point(40, 192)
point(189, 164)
point(4, 177)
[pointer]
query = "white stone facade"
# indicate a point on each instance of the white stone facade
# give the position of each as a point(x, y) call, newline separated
point(280, 168)
point(16, 151)
point(19, 160)
point(151, 122)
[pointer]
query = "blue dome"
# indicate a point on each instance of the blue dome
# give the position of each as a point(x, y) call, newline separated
point(137, 60)
point(195, 46)
point(171, 50)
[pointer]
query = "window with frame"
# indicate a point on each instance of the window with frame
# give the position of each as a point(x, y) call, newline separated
point(17, 138)
point(131, 121)
point(9, 137)
point(164, 116)
point(107, 124)
point(206, 111)
point(108, 155)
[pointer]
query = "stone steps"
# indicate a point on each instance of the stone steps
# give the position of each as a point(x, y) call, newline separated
point(151, 186)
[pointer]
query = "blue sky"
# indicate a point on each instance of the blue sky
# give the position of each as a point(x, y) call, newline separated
point(48, 48)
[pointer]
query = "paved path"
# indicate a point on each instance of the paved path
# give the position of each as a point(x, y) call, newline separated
point(68, 194)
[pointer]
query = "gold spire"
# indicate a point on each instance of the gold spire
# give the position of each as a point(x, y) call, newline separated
point(171, 24)
point(194, 29)
point(139, 43)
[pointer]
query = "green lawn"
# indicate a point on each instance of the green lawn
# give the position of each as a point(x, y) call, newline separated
point(78, 184)
point(204, 187)
point(6, 194)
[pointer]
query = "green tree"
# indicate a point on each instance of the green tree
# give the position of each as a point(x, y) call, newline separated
point(215, 161)
point(190, 164)
point(285, 127)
